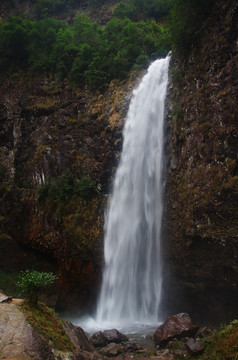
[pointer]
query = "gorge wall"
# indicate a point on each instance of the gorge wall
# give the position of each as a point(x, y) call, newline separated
point(202, 183)
point(48, 128)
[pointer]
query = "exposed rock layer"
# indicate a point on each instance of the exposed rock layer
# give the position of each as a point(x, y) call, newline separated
point(47, 129)
point(201, 216)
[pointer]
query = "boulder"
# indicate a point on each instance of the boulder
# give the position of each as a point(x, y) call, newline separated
point(4, 298)
point(194, 346)
point(77, 336)
point(114, 336)
point(130, 347)
point(98, 339)
point(204, 332)
point(111, 350)
point(18, 339)
point(176, 326)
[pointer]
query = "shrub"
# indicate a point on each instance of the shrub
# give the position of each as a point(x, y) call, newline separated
point(224, 344)
point(32, 282)
point(85, 187)
point(65, 187)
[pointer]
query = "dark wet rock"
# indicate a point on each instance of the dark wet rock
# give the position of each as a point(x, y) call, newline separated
point(204, 332)
point(111, 350)
point(176, 326)
point(77, 336)
point(194, 346)
point(84, 355)
point(198, 201)
point(131, 346)
point(114, 336)
point(98, 339)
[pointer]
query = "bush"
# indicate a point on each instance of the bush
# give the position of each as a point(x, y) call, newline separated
point(62, 189)
point(85, 187)
point(224, 344)
point(32, 282)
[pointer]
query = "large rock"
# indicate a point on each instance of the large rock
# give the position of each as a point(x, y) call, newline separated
point(112, 350)
point(5, 299)
point(98, 339)
point(204, 332)
point(114, 336)
point(194, 346)
point(178, 326)
point(77, 336)
point(18, 340)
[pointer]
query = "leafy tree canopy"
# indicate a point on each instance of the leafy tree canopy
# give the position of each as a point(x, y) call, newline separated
point(31, 283)
point(87, 53)
point(84, 52)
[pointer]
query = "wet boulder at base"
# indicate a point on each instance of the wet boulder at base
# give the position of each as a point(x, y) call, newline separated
point(77, 336)
point(176, 326)
point(98, 339)
point(112, 350)
point(114, 336)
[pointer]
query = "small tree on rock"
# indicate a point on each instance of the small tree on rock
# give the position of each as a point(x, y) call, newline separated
point(31, 283)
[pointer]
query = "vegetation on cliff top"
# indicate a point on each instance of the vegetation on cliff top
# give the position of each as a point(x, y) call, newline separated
point(87, 53)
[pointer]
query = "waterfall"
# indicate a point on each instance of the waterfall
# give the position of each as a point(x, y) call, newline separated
point(132, 279)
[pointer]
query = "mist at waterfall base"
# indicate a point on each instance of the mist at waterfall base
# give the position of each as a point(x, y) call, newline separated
point(132, 281)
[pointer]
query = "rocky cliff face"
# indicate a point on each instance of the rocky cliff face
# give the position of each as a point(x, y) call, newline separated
point(48, 129)
point(202, 185)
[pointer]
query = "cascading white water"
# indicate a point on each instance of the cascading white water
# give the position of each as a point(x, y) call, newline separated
point(131, 288)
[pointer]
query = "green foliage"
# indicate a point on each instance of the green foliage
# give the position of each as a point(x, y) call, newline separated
point(47, 324)
point(42, 40)
point(32, 282)
point(224, 344)
point(85, 187)
point(85, 52)
point(62, 189)
point(14, 39)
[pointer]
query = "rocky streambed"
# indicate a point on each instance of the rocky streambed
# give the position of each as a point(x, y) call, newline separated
point(22, 339)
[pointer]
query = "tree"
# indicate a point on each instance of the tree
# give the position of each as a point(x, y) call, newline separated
point(31, 283)
point(14, 42)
